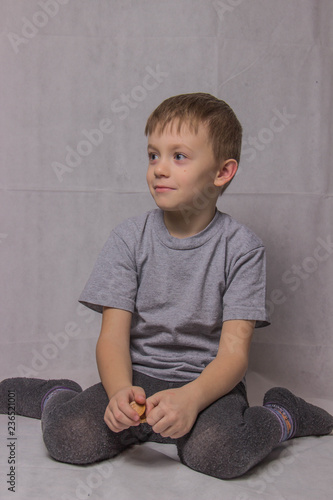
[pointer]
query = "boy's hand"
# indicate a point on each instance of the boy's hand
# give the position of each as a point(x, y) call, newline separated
point(172, 412)
point(119, 415)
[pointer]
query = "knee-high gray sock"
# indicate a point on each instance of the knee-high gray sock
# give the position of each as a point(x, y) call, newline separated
point(29, 395)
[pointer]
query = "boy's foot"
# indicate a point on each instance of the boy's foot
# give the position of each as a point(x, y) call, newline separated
point(25, 396)
point(307, 419)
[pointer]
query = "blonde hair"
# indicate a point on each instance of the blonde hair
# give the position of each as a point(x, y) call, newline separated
point(224, 129)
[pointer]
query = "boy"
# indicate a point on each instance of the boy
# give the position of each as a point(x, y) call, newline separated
point(181, 289)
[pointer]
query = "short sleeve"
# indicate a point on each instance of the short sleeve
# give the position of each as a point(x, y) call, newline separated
point(113, 281)
point(245, 293)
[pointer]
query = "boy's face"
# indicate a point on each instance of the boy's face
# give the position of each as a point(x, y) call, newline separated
point(182, 169)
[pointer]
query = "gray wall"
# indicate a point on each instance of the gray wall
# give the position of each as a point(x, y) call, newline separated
point(70, 67)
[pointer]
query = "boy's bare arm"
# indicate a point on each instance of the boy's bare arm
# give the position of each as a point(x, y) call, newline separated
point(112, 350)
point(229, 366)
point(115, 369)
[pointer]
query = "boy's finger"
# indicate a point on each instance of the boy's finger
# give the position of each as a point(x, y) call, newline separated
point(139, 395)
point(127, 415)
point(151, 402)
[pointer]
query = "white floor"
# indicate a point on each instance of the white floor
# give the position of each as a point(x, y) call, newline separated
point(299, 469)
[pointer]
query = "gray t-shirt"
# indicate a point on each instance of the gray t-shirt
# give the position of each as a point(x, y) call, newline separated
point(179, 290)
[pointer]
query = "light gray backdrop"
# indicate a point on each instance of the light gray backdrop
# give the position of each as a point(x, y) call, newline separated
point(79, 78)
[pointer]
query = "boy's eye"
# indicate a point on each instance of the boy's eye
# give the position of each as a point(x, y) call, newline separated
point(180, 156)
point(152, 156)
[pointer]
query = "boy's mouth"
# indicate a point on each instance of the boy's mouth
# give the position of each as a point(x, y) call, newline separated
point(163, 189)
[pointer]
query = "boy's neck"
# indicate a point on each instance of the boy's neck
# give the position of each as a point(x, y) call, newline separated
point(183, 225)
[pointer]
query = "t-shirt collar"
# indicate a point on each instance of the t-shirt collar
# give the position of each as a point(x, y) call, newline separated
point(195, 241)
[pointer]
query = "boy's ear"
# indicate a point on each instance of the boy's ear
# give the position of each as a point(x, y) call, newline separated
point(226, 172)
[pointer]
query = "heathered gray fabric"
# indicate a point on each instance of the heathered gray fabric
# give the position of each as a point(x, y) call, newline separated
point(179, 290)
point(227, 439)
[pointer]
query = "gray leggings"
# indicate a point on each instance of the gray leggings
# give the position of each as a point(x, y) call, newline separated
point(227, 439)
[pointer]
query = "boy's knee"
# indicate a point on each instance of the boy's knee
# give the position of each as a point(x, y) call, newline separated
point(221, 465)
point(70, 441)
point(214, 456)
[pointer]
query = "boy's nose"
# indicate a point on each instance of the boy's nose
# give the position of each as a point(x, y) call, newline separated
point(162, 169)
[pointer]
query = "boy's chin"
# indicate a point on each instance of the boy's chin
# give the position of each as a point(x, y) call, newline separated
point(168, 207)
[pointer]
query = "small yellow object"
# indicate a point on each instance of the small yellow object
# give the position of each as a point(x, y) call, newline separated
point(140, 409)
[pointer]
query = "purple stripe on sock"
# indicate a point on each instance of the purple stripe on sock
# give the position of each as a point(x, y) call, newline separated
point(282, 424)
point(278, 411)
point(48, 394)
